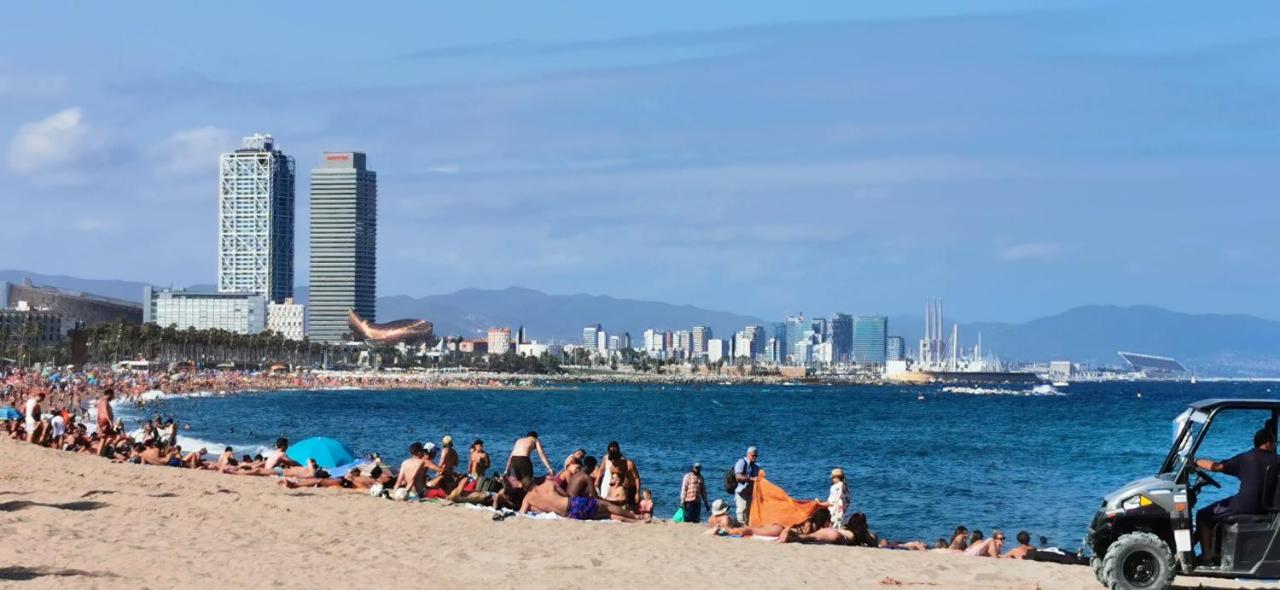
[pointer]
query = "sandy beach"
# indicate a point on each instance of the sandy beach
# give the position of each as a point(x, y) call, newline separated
point(69, 518)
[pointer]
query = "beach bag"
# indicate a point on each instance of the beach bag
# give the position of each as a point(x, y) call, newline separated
point(679, 515)
point(731, 481)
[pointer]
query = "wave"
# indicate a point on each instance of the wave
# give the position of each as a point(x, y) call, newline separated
point(1037, 391)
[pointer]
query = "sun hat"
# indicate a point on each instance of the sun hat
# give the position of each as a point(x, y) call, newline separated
point(719, 508)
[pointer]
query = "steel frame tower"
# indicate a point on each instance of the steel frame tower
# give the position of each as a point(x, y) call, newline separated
point(255, 220)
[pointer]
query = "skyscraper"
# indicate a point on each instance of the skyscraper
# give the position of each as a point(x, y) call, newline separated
point(344, 244)
point(590, 336)
point(870, 343)
point(700, 336)
point(798, 332)
point(841, 337)
point(895, 349)
point(778, 354)
point(255, 220)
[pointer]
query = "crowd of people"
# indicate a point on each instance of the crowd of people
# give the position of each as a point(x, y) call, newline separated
point(73, 412)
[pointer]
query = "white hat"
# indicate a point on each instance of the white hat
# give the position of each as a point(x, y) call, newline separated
point(719, 508)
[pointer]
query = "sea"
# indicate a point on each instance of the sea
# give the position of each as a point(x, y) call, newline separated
point(920, 460)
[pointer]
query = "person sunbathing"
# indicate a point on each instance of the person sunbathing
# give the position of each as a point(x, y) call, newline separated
point(545, 497)
point(959, 539)
point(1024, 549)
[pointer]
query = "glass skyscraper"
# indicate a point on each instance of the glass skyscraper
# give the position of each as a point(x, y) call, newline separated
point(841, 336)
point(255, 220)
point(344, 244)
point(870, 344)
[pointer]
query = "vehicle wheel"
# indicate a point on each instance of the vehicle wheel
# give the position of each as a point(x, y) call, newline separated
point(1138, 561)
point(1096, 563)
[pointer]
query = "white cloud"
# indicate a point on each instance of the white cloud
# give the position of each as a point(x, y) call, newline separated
point(54, 144)
point(1031, 251)
point(192, 151)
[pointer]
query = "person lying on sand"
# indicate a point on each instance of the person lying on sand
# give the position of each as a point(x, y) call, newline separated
point(545, 497)
point(352, 480)
point(720, 518)
point(1024, 548)
point(985, 547)
point(959, 538)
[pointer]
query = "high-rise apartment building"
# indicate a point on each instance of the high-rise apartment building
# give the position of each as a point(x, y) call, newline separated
point(255, 220)
point(499, 340)
point(870, 339)
point(778, 354)
point(841, 337)
point(700, 335)
point(344, 244)
point(895, 349)
point(798, 332)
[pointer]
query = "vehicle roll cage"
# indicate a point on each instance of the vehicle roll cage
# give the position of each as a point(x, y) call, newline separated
point(1211, 408)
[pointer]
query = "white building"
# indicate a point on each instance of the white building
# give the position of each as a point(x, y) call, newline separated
point(535, 349)
point(287, 319)
point(717, 350)
point(242, 313)
point(255, 220)
point(602, 342)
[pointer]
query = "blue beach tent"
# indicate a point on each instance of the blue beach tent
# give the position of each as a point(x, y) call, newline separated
point(327, 452)
point(8, 413)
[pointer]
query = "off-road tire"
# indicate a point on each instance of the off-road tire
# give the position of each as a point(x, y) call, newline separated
point(1096, 563)
point(1138, 561)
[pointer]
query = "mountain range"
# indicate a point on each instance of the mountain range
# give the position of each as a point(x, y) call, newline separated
point(1211, 344)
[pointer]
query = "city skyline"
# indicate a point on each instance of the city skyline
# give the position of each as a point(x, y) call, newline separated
point(1080, 153)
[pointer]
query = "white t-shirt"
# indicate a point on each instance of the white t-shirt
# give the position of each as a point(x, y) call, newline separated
point(30, 413)
point(58, 425)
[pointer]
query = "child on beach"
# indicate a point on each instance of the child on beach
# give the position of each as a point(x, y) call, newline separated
point(646, 503)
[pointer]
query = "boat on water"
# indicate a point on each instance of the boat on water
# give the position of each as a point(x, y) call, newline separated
point(1057, 384)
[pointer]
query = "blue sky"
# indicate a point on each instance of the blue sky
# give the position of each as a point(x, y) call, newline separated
point(1016, 158)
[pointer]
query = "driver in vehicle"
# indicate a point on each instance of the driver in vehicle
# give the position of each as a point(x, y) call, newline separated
point(1250, 467)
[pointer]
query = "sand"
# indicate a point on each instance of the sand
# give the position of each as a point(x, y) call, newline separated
point(80, 520)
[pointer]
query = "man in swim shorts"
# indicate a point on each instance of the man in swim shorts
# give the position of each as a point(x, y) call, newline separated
point(520, 465)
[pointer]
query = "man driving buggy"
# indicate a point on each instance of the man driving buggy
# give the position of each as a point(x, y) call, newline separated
point(1250, 467)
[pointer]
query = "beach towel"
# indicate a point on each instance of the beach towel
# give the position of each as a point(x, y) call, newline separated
point(771, 505)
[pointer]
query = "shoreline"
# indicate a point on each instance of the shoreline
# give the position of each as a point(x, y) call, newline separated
point(121, 525)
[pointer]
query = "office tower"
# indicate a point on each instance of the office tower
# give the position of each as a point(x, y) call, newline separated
point(797, 333)
point(779, 351)
point(344, 244)
point(870, 339)
point(241, 313)
point(895, 349)
point(700, 336)
point(841, 337)
point(590, 334)
point(683, 343)
point(255, 220)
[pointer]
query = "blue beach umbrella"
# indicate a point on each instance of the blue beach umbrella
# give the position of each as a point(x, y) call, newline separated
point(327, 452)
point(8, 413)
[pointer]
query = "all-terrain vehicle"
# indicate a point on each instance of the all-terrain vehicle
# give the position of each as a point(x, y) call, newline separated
point(1141, 536)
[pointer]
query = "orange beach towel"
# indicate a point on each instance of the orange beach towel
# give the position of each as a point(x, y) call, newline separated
point(771, 505)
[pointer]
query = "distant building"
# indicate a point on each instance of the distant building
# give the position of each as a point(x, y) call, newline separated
point(535, 349)
point(756, 338)
point(602, 342)
point(241, 313)
point(683, 344)
point(870, 339)
point(895, 349)
point(778, 353)
point(255, 220)
point(590, 336)
point(824, 352)
point(654, 342)
point(74, 307)
point(473, 346)
point(773, 350)
point(1153, 366)
point(797, 334)
point(499, 341)
point(615, 343)
point(842, 337)
point(287, 319)
point(717, 350)
point(344, 244)
point(698, 345)
point(37, 328)
point(1060, 370)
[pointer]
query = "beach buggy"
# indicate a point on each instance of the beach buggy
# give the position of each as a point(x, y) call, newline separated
point(1142, 535)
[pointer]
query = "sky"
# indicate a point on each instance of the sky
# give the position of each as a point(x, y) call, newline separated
point(1015, 158)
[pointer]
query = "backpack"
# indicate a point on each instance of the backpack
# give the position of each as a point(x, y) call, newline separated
point(731, 481)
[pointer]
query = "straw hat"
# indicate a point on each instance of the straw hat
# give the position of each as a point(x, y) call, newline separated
point(719, 508)
point(837, 472)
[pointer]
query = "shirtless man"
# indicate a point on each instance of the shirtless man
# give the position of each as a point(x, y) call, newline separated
point(31, 418)
point(152, 455)
point(545, 497)
point(413, 471)
point(628, 476)
point(1024, 549)
point(519, 464)
point(446, 475)
point(106, 417)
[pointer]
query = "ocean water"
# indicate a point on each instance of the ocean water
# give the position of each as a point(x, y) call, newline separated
point(918, 468)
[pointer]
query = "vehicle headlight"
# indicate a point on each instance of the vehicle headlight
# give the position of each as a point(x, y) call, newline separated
point(1136, 502)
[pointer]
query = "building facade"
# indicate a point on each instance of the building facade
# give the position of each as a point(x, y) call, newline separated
point(590, 335)
point(699, 337)
point(870, 339)
point(841, 337)
point(499, 340)
point(242, 313)
point(74, 307)
point(344, 244)
point(255, 220)
point(33, 327)
point(895, 349)
point(287, 319)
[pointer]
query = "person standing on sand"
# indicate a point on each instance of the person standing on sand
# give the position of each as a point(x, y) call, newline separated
point(837, 498)
point(31, 415)
point(747, 473)
point(519, 463)
point(106, 417)
point(478, 463)
point(693, 494)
